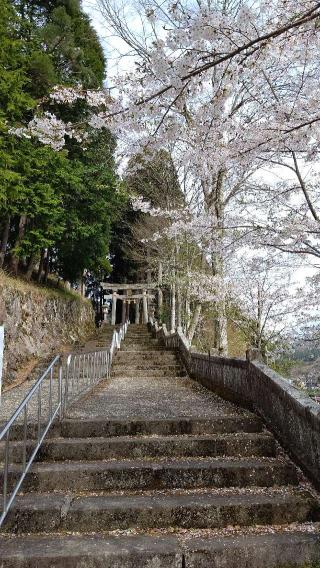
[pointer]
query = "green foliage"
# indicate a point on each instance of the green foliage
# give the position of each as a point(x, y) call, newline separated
point(91, 205)
point(156, 179)
point(14, 100)
point(61, 202)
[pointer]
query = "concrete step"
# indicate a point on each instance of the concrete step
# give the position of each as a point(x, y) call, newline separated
point(146, 356)
point(96, 551)
point(270, 549)
point(145, 364)
point(168, 371)
point(242, 444)
point(73, 428)
point(138, 333)
point(134, 338)
point(133, 347)
point(161, 474)
point(83, 428)
point(141, 339)
point(296, 547)
point(208, 509)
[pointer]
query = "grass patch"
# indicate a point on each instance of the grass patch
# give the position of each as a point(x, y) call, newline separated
point(52, 289)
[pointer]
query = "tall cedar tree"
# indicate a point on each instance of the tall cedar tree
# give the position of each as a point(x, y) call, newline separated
point(155, 179)
point(56, 206)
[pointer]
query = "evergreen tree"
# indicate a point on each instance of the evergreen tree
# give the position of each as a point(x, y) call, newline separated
point(56, 206)
point(155, 179)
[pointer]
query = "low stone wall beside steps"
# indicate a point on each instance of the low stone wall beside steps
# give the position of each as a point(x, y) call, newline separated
point(292, 416)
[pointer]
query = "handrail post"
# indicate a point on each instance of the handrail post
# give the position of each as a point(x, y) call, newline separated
point(60, 401)
point(66, 388)
point(68, 380)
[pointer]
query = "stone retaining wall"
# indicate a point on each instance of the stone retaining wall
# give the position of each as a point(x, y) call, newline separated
point(38, 321)
point(292, 416)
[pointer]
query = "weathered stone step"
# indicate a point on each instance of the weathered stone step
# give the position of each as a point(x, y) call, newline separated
point(96, 551)
point(169, 371)
point(73, 428)
point(161, 474)
point(145, 364)
point(139, 339)
point(55, 512)
point(147, 339)
point(143, 334)
point(81, 428)
point(296, 548)
point(274, 550)
point(244, 445)
point(141, 347)
point(151, 355)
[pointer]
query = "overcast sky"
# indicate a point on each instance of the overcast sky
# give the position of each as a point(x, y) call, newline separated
point(112, 46)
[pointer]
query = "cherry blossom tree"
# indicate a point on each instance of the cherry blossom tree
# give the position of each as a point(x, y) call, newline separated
point(228, 87)
point(263, 289)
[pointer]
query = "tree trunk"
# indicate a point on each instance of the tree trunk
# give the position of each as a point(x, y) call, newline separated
point(47, 266)
point(214, 201)
point(41, 264)
point(82, 287)
point(173, 307)
point(32, 262)
point(194, 322)
point(258, 339)
point(160, 295)
point(179, 309)
point(14, 265)
point(187, 320)
point(160, 304)
point(4, 240)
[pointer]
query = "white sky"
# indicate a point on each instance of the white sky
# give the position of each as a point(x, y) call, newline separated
point(112, 45)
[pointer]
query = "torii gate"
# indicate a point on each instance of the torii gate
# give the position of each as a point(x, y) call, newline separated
point(131, 293)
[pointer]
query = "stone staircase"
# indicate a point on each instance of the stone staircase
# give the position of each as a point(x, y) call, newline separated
point(151, 470)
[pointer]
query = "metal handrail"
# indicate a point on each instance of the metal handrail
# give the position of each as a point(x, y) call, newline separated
point(62, 382)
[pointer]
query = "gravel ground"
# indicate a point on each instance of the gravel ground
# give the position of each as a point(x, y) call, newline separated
point(121, 397)
point(159, 398)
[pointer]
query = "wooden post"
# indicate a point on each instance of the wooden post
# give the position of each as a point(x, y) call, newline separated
point(114, 308)
point(145, 306)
